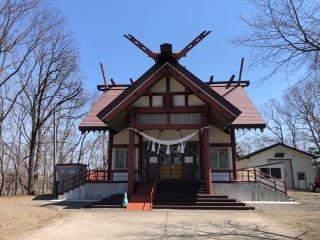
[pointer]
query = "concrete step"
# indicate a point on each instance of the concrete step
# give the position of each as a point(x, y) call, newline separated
point(189, 207)
point(190, 195)
point(114, 201)
point(175, 199)
point(105, 206)
point(200, 203)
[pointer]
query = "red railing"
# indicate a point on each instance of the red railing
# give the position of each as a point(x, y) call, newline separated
point(251, 175)
point(93, 176)
point(153, 192)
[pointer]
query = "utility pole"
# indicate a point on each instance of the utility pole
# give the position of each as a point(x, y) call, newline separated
point(54, 152)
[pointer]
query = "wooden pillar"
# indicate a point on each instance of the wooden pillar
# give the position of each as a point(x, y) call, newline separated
point(140, 160)
point(131, 156)
point(234, 154)
point(201, 157)
point(205, 155)
point(110, 147)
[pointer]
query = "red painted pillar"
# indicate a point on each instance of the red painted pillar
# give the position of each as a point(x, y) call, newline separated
point(110, 146)
point(205, 154)
point(140, 161)
point(206, 160)
point(131, 157)
point(234, 154)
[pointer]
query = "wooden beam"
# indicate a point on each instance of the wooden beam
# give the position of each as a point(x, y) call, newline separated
point(168, 126)
point(104, 75)
point(211, 79)
point(205, 155)
point(140, 45)
point(189, 109)
point(234, 154)
point(140, 160)
point(191, 45)
point(110, 147)
point(241, 67)
point(220, 145)
point(131, 156)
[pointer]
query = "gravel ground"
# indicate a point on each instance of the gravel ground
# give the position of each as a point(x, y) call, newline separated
point(304, 217)
point(21, 214)
point(24, 218)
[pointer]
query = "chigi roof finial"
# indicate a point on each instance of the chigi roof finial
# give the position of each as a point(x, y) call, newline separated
point(166, 48)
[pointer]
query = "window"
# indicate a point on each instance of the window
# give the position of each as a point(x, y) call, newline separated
point(121, 158)
point(185, 118)
point(219, 158)
point(265, 170)
point(274, 172)
point(151, 119)
point(301, 175)
point(279, 154)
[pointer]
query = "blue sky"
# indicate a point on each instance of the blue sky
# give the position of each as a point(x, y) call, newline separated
point(98, 27)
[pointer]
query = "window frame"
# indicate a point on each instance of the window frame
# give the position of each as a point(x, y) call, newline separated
point(212, 156)
point(115, 158)
point(304, 174)
point(270, 172)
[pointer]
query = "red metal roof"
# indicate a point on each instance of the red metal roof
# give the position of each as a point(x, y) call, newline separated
point(236, 95)
point(173, 68)
point(249, 117)
point(91, 122)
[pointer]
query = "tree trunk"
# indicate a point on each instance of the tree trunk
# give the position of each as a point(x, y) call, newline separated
point(1, 150)
point(31, 163)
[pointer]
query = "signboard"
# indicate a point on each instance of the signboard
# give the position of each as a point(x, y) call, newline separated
point(153, 159)
point(188, 159)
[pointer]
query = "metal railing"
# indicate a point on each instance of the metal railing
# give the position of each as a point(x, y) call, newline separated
point(93, 176)
point(251, 175)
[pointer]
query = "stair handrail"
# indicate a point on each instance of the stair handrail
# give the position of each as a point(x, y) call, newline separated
point(81, 178)
point(270, 181)
point(253, 175)
point(73, 181)
point(153, 192)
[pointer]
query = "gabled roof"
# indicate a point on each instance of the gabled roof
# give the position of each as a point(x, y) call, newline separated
point(249, 117)
point(181, 74)
point(91, 122)
point(272, 146)
point(231, 103)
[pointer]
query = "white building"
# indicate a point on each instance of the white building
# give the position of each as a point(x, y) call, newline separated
point(283, 162)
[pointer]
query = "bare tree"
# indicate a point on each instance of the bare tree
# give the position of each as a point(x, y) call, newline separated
point(55, 83)
point(274, 120)
point(304, 98)
point(39, 76)
point(284, 34)
point(22, 27)
point(295, 120)
point(283, 124)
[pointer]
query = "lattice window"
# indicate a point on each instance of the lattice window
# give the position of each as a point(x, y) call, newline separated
point(151, 119)
point(186, 118)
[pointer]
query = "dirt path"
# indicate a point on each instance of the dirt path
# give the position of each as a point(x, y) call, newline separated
point(304, 217)
point(163, 224)
point(26, 219)
point(22, 214)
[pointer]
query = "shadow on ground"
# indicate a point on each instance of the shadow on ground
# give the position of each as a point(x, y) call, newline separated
point(69, 204)
point(213, 230)
point(45, 197)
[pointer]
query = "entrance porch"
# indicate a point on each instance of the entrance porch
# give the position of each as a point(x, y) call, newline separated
point(142, 162)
